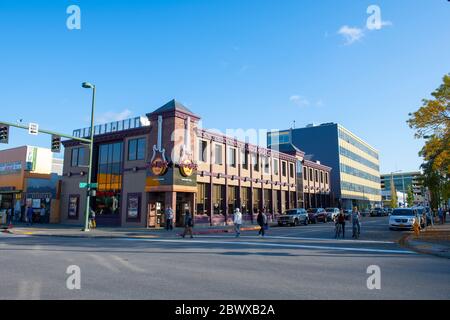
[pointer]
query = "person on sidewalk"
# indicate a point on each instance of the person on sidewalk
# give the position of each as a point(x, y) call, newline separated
point(441, 215)
point(188, 224)
point(9, 216)
point(262, 222)
point(341, 221)
point(92, 223)
point(169, 218)
point(356, 216)
point(237, 220)
point(30, 213)
point(42, 214)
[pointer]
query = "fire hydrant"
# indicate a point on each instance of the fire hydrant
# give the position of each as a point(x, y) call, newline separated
point(416, 227)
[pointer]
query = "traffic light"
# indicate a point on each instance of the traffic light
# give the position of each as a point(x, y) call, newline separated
point(4, 133)
point(56, 143)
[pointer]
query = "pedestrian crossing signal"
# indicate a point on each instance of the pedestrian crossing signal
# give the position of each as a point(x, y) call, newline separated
point(4, 133)
point(56, 143)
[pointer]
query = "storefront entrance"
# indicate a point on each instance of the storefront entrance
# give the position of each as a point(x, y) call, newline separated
point(184, 202)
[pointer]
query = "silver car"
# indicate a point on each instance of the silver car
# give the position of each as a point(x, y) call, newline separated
point(293, 217)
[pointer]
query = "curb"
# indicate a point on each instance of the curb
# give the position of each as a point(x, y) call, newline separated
point(405, 242)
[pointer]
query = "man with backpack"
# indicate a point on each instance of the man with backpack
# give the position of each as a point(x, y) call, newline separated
point(262, 222)
point(188, 224)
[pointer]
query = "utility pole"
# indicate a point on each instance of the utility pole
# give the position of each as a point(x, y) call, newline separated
point(88, 85)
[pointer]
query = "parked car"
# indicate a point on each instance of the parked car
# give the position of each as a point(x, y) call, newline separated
point(317, 214)
point(293, 217)
point(332, 213)
point(403, 218)
point(377, 212)
point(365, 212)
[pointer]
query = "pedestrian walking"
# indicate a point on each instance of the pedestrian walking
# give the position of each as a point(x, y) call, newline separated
point(169, 218)
point(441, 215)
point(341, 222)
point(42, 213)
point(30, 213)
point(356, 216)
point(262, 222)
point(237, 220)
point(92, 222)
point(9, 216)
point(188, 224)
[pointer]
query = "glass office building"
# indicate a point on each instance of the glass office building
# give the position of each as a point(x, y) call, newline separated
point(355, 178)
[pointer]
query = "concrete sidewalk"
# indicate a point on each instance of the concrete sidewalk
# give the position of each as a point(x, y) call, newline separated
point(434, 241)
point(71, 231)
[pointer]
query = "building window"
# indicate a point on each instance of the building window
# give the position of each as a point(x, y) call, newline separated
point(275, 167)
point(134, 207)
point(326, 177)
point(283, 168)
point(266, 165)
point(202, 150)
point(291, 170)
point(232, 198)
point(321, 176)
point(232, 157)
point(256, 199)
point(311, 178)
point(316, 176)
point(218, 154)
point(305, 173)
point(203, 205)
point(218, 200)
point(255, 161)
point(109, 179)
point(136, 149)
point(74, 206)
point(245, 200)
point(244, 160)
point(78, 157)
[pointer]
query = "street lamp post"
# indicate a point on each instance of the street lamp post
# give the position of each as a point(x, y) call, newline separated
point(88, 85)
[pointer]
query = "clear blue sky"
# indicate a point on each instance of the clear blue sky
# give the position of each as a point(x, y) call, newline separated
point(239, 64)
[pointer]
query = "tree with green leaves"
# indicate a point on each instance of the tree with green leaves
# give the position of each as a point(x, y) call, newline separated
point(410, 196)
point(394, 200)
point(432, 122)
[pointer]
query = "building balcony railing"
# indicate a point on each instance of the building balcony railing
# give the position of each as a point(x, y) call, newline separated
point(115, 126)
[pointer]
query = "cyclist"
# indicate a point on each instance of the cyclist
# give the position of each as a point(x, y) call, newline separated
point(356, 216)
point(340, 224)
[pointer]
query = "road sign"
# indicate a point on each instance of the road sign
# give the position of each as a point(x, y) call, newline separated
point(33, 129)
point(85, 185)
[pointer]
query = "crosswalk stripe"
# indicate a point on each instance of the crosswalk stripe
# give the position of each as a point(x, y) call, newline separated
point(280, 245)
point(307, 238)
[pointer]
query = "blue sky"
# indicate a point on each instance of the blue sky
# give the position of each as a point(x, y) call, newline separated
point(238, 64)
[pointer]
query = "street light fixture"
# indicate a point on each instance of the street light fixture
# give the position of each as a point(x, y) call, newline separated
point(88, 85)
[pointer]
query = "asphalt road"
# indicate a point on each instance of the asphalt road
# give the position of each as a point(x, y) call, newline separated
point(302, 262)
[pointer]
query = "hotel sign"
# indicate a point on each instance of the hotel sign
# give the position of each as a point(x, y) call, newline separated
point(10, 167)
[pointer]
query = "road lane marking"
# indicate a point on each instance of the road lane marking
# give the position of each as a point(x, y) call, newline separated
point(127, 264)
point(279, 245)
point(103, 262)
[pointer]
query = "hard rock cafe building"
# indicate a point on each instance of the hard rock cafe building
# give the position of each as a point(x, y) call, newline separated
point(143, 165)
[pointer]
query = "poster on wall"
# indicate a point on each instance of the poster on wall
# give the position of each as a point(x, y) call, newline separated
point(73, 207)
point(133, 206)
point(36, 203)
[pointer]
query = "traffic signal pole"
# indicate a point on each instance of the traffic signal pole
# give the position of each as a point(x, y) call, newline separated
point(21, 126)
